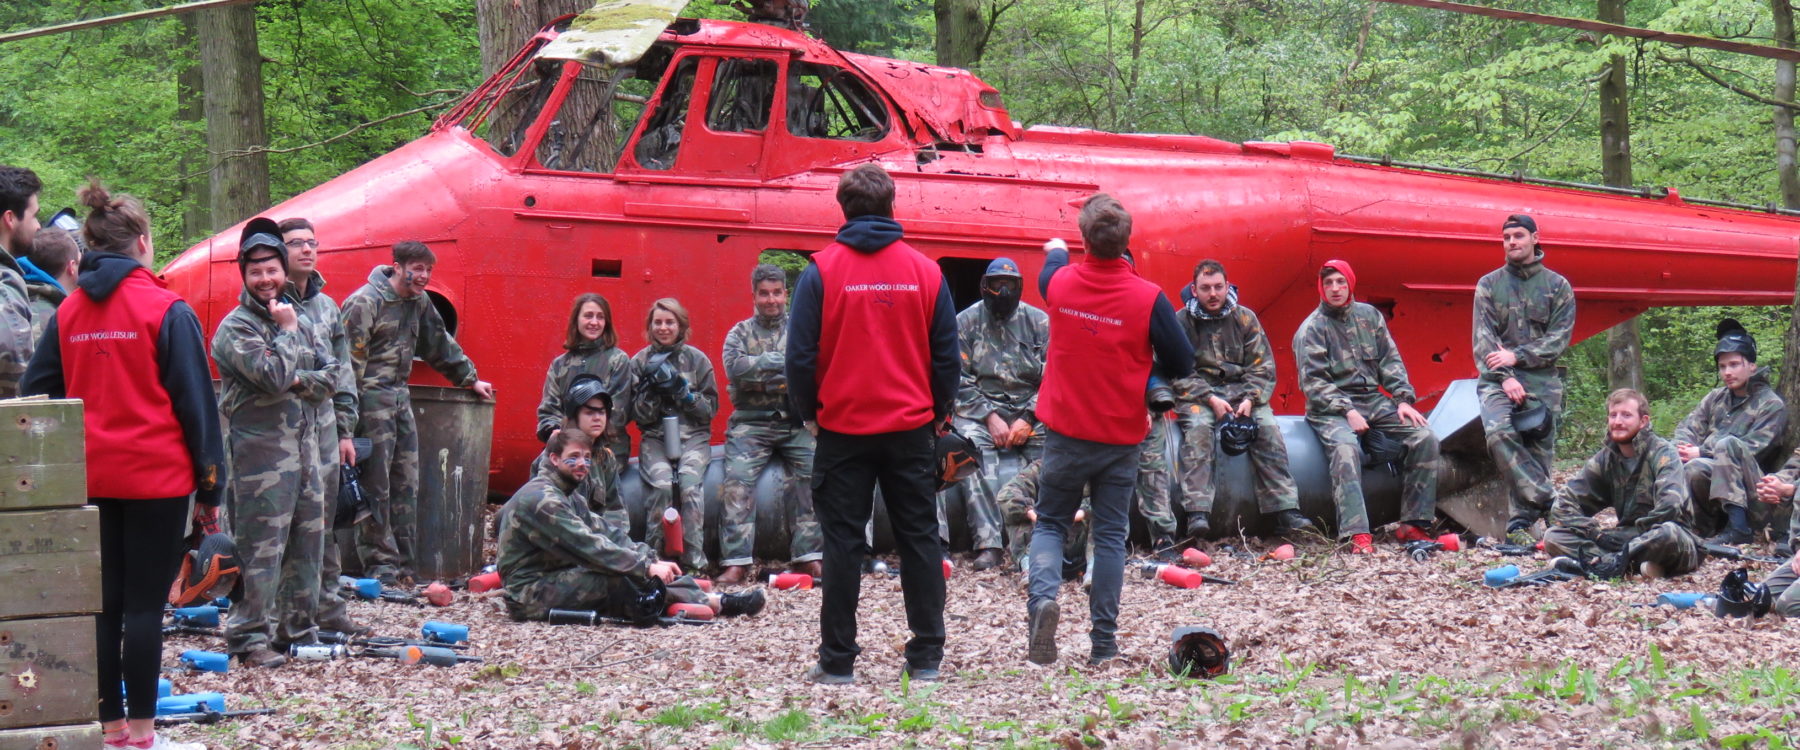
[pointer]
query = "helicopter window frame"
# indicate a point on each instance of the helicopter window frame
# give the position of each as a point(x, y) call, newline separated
point(846, 107)
point(667, 115)
point(733, 107)
point(601, 100)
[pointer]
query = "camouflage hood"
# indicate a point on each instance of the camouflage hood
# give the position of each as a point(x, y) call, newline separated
point(1192, 303)
point(1529, 268)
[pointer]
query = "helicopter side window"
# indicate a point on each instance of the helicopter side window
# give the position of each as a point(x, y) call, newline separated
point(661, 139)
point(596, 119)
point(503, 123)
point(825, 101)
point(741, 96)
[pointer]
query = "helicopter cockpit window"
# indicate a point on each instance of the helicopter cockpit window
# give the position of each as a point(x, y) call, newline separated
point(661, 139)
point(503, 124)
point(597, 117)
point(741, 94)
point(830, 102)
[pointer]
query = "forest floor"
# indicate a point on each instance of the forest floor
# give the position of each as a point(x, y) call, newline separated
point(1327, 650)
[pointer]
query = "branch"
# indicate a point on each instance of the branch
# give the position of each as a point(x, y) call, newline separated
point(1576, 112)
point(1729, 86)
point(252, 151)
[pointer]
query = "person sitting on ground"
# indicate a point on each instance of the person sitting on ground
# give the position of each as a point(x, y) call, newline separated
point(1018, 510)
point(587, 406)
point(1727, 437)
point(1638, 475)
point(1782, 589)
point(556, 554)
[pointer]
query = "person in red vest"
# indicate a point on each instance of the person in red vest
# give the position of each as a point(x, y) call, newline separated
point(132, 351)
point(872, 369)
point(1108, 328)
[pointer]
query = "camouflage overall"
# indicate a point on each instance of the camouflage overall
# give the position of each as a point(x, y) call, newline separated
point(1735, 437)
point(1018, 498)
point(613, 366)
point(1002, 366)
point(44, 300)
point(1232, 360)
point(331, 423)
point(1154, 476)
point(761, 426)
point(1648, 493)
point(663, 471)
point(1528, 310)
point(1346, 360)
point(16, 326)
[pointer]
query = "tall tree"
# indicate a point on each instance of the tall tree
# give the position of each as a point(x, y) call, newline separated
point(196, 180)
point(503, 27)
point(962, 32)
point(1783, 13)
point(236, 136)
point(1623, 345)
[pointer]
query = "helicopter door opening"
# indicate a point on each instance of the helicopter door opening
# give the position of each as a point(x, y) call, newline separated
point(731, 99)
point(964, 276)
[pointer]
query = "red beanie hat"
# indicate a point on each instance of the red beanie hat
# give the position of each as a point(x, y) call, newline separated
point(1343, 267)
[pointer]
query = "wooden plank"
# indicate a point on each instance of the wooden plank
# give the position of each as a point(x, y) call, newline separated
point(47, 672)
point(70, 737)
point(41, 433)
point(50, 562)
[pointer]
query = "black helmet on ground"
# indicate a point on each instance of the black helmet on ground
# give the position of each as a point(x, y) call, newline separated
point(1531, 419)
point(1198, 652)
point(1236, 434)
point(1739, 597)
point(957, 457)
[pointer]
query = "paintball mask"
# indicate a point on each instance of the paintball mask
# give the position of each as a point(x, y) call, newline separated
point(661, 376)
point(1236, 434)
point(646, 606)
point(208, 571)
point(1381, 448)
point(1531, 420)
point(956, 458)
point(586, 388)
point(1198, 652)
point(1738, 597)
point(1734, 339)
point(1001, 287)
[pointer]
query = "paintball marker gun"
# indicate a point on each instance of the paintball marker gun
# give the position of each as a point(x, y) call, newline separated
point(1179, 577)
point(1733, 553)
point(209, 717)
point(590, 617)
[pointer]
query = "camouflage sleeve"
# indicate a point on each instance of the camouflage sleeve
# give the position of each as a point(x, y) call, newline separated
point(1259, 363)
point(1583, 496)
point(740, 368)
point(358, 319)
point(971, 403)
point(439, 349)
point(621, 383)
point(1671, 488)
point(268, 367)
point(343, 397)
point(1789, 473)
point(1312, 357)
point(642, 407)
point(556, 524)
point(1545, 351)
point(1693, 425)
point(705, 387)
point(1767, 424)
point(318, 384)
point(15, 339)
point(1486, 332)
point(549, 411)
point(1393, 370)
point(1020, 493)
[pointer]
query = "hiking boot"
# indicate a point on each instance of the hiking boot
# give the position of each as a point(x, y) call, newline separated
point(1362, 544)
point(810, 567)
point(817, 675)
point(1410, 533)
point(1041, 632)
point(350, 628)
point(1609, 566)
point(1102, 653)
point(747, 603)
point(920, 674)
point(1164, 549)
point(1293, 522)
point(1733, 536)
point(732, 574)
point(1198, 525)
point(987, 559)
point(1518, 531)
point(261, 656)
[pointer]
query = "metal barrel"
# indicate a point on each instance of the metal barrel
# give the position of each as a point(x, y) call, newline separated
point(456, 435)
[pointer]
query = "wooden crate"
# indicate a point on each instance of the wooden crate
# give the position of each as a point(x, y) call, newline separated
point(50, 560)
point(69, 737)
point(42, 461)
point(47, 672)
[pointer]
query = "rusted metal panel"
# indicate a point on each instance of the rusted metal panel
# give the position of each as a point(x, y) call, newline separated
point(41, 454)
point(456, 435)
point(50, 562)
point(47, 672)
point(68, 737)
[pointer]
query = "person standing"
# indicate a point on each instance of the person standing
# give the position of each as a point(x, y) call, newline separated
point(1108, 328)
point(674, 379)
point(1725, 440)
point(51, 268)
point(1357, 392)
point(763, 425)
point(19, 188)
point(133, 352)
point(872, 369)
point(1524, 316)
point(591, 347)
point(1002, 339)
point(387, 322)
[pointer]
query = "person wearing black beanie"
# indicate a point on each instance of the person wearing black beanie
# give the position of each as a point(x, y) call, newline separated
point(1725, 440)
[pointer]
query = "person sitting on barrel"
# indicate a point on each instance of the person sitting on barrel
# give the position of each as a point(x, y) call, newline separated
point(555, 553)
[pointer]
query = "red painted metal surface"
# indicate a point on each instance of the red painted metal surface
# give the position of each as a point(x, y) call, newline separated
point(516, 242)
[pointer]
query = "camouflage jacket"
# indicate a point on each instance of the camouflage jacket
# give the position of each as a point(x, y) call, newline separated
point(755, 359)
point(272, 380)
point(16, 326)
point(600, 490)
point(543, 529)
point(1232, 357)
point(385, 332)
point(1526, 309)
point(45, 298)
point(1643, 491)
point(1759, 420)
point(319, 312)
point(1347, 358)
point(1020, 493)
point(649, 407)
point(611, 365)
point(1002, 361)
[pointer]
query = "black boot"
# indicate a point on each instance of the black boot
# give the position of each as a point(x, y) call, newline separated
point(747, 603)
point(1293, 521)
point(1610, 566)
point(1737, 527)
point(1164, 550)
point(989, 558)
point(1198, 525)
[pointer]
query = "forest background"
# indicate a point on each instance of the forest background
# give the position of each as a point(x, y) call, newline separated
point(346, 80)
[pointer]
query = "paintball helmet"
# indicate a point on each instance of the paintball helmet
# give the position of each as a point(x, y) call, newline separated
point(68, 221)
point(957, 457)
point(647, 602)
point(1739, 597)
point(260, 234)
point(1236, 434)
point(1381, 447)
point(1531, 419)
point(1198, 652)
point(208, 571)
point(583, 389)
point(352, 504)
point(1734, 339)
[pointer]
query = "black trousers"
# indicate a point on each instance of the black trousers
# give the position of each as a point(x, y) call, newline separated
point(140, 555)
point(846, 470)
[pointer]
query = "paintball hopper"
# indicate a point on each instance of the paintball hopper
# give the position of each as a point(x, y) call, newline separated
point(1159, 396)
point(957, 458)
point(208, 571)
point(1531, 419)
point(1236, 435)
point(1381, 448)
point(1198, 652)
point(1738, 597)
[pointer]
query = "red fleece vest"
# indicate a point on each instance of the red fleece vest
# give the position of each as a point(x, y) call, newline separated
point(1099, 357)
point(135, 447)
point(875, 338)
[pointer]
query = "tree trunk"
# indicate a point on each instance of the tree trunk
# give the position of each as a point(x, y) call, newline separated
point(231, 66)
point(1625, 366)
point(961, 27)
point(1789, 384)
point(503, 27)
point(196, 185)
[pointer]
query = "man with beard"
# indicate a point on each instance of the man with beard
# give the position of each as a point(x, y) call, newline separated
point(19, 188)
point(1724, 441)
point(1234, 376)
point(1002, 340)
point(1638, 475)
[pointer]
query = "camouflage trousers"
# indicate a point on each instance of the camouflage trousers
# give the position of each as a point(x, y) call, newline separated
point(278, 521)
point(1526, 465)
point(390, 480)
point(1668, 545)
point(1781, 586)
point(1343, 449)
point(1726, 478)
point(1274, 486)
point(690, 469)
point(581, 588)
point(1154, 476)
point(332, 613)
point(982, 489)
point(749, 445)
